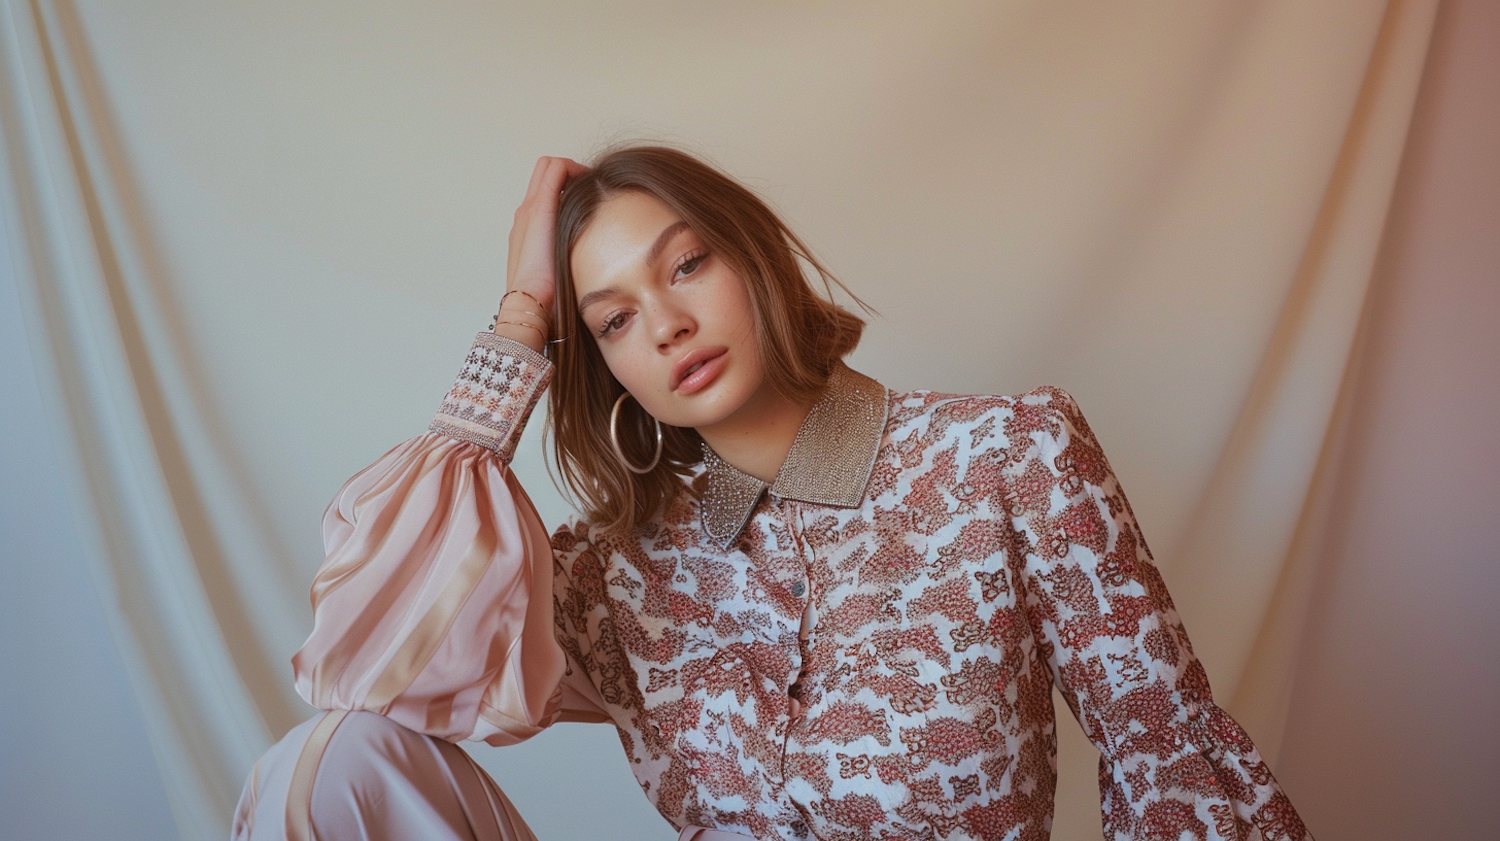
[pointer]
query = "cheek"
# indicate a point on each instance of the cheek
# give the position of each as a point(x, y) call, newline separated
point(625, 366)
point(733, 301)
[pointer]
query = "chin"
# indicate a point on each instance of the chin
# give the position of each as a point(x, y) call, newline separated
point(703, 410)
point(697, 419)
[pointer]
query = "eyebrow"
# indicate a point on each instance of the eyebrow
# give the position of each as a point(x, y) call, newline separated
point(663, 238)
point(652, 256)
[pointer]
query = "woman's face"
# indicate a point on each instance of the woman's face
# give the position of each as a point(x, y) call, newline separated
point(672, 320)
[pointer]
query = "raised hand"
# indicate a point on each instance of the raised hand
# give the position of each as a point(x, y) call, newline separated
point(529, 267)
point(529, 270)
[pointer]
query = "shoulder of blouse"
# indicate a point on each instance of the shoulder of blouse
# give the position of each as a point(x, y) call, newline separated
point(580, 534)
point(966, 411)
point(493, 395)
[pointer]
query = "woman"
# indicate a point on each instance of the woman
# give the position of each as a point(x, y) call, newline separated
point(813, 607)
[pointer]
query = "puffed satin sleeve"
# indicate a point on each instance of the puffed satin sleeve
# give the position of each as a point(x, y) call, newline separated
point(1173, 764)
point(433, 605)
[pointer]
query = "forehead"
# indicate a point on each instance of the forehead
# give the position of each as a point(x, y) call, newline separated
point(615, 245)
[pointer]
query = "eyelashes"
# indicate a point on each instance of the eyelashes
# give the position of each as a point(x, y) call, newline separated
point(685, 268)
point(689, 263)
point(611, 324)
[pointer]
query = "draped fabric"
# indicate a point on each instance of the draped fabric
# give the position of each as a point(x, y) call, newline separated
point(252, 239)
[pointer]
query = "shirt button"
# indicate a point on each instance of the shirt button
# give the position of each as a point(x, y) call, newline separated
point(798, 589)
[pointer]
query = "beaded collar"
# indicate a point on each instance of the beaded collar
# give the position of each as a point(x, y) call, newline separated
point(829, 463)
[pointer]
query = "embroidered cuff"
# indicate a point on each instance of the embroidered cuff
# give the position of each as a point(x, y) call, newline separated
point(495, 392)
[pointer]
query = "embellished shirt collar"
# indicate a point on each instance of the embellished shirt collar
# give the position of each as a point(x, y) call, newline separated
point(829, 463)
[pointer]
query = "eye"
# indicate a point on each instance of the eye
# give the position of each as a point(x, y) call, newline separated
point(690, 264)
point(613, 323)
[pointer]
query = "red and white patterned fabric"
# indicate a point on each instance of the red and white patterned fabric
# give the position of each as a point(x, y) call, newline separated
point(864, 649)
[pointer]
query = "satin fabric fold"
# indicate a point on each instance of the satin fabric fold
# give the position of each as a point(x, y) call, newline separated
point(434, 604)
point(341, 776)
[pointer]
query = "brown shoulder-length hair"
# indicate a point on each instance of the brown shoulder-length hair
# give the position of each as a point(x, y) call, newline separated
point(800, 333)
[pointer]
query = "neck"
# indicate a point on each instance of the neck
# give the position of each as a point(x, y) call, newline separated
point(756, 439)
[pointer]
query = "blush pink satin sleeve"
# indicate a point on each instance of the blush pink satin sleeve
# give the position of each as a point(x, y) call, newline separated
point(433, 605)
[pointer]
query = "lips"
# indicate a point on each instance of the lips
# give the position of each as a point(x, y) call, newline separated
point(695, 361)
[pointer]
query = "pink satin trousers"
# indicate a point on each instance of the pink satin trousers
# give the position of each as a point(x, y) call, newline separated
point(359, 776)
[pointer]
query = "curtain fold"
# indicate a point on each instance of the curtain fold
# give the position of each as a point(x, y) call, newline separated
point(87, 291)
point(202, 562)
point(1255, 536)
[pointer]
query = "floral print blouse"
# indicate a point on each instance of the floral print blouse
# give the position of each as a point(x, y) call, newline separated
point(865, 648)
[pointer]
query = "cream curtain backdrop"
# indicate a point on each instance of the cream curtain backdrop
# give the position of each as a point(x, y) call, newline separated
point(254, 240)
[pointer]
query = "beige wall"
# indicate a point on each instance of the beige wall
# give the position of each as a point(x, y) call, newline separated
point(1393, 732)
point(314, 194)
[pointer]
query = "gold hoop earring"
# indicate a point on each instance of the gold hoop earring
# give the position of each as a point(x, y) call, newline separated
point(614, 438)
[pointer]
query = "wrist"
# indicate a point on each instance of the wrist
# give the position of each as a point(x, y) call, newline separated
point(522, 302)
point(531, 335)
point(523, 317)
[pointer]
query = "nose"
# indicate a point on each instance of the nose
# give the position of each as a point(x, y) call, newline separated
point(670, 325)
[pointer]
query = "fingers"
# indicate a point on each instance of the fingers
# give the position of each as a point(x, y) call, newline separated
point(572, 167)
point(543, 195)
point(554, 177)
point(529, 259)
point(549, 176)
point(537, 174)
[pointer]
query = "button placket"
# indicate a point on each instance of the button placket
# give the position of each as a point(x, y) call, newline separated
point(800, 590)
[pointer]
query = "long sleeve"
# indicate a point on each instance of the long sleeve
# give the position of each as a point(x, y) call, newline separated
point(1173, 762)
point(433, 605)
